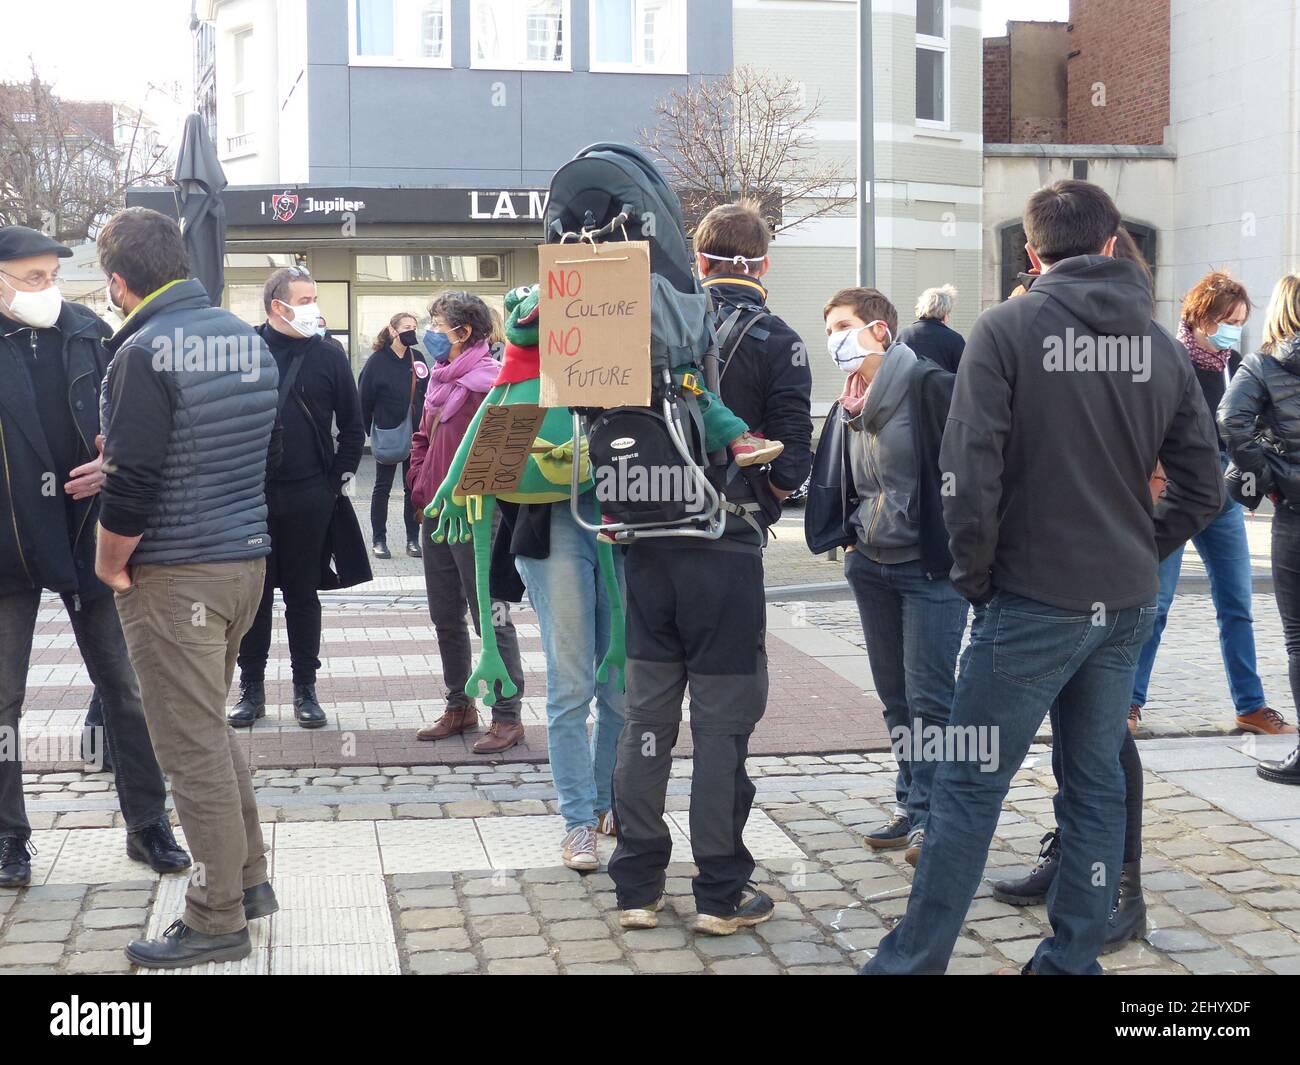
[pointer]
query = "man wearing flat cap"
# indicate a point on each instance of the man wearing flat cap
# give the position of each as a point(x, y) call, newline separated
point(52, 361)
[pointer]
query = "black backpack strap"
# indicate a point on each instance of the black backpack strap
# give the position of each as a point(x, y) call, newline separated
point(733, 331)
point(287, 382)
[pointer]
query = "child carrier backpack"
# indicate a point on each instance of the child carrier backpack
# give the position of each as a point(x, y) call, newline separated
point(648, 462)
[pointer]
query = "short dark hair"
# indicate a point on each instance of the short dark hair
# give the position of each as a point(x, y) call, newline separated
point(461, 309)
point(1070, 218)
point(869, 304)
point(733, 230)
point(144, 248)
point(277, 285)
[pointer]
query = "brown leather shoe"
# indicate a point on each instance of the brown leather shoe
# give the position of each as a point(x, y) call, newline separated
point(501, 736)
point(453, 722)
point(1264, 722)
point(1134, 718)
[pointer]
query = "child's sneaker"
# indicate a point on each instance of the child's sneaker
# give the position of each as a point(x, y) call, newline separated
point(750, 449)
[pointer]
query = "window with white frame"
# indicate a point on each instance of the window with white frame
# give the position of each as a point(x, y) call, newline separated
point(520, 34)
point(406, 32)
point(932, 63)
point(241, 92)
point(639, 35)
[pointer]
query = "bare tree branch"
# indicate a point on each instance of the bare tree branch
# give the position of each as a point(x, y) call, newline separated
point(61, 168)
point(748, 134)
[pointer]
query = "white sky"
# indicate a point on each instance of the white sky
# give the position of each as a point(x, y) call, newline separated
point(134, 52)
point(139, 52)
point(997, 12)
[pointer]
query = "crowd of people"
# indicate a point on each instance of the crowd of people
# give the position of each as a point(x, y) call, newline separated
point(992, 493)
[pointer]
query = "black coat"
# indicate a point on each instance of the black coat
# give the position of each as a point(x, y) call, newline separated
point(37, 547)
point(1259, 421)
point(935, 341)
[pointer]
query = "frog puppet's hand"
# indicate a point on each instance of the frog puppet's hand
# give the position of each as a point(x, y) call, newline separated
point(453, 518)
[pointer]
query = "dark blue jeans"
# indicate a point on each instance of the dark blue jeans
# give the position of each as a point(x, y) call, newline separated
point(913, 627)
point(1023, 656)
point(1224, 549)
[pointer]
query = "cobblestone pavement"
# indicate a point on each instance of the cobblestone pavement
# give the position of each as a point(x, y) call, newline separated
point(1188, 694)
point(455, 870)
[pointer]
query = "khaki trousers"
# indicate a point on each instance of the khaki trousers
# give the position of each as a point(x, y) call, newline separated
point(183, 625)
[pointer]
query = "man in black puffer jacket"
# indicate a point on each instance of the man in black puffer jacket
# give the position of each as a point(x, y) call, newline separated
point(52, 360)
point(189, 408)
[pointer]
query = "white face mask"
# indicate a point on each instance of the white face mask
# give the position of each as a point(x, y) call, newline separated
point(848, 354)
point(306, 319)
point(40, 310)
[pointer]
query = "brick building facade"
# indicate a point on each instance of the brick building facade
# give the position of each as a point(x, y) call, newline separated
point(1118, 72)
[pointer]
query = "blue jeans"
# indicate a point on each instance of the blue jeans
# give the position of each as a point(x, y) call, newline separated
point(1023, 656)
point(913, 628)
point(1224, 549)
point(568, 594)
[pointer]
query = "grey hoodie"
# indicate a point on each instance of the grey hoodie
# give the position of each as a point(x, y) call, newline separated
point(883, 461)
point(1065, 398)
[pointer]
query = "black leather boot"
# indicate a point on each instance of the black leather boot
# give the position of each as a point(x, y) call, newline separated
point(1286, 771)
point(1128, 920)
point(15, 861)
point(181, 946)
point(1032, 889)
point(306, 709)
point(251, 705)
point(260, 901)
point(156, 846)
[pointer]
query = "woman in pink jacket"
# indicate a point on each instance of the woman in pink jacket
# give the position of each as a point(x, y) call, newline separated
point(463, 374)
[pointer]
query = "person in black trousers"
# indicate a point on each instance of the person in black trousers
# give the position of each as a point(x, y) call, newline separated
point(317, 390)
point(52, 360)
point(1259, 420)
point(696, 615)
point(393, 382)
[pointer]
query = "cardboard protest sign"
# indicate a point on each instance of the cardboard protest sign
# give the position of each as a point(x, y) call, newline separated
point(595, 324)
point(500, 450)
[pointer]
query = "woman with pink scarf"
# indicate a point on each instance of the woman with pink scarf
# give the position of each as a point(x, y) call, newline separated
point(463, 374)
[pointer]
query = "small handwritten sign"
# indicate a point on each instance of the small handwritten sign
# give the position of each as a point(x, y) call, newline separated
point(500, 450)
point(595, 324)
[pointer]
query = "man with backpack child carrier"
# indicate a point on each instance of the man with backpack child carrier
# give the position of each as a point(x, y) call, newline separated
point(725, 370)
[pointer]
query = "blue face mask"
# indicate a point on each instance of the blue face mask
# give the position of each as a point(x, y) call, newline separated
point(437, 345)
point(1226, 336)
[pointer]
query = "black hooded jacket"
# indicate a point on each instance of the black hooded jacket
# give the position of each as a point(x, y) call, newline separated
point(1065, 399)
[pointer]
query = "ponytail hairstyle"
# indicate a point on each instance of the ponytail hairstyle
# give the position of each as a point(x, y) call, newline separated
point(389, 333)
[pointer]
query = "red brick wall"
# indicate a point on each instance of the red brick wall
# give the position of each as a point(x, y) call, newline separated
point(997, 90)
point(1124, 47)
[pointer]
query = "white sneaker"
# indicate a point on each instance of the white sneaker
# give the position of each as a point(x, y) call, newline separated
point(914, 843)
point(643, 917)
point(580, 850)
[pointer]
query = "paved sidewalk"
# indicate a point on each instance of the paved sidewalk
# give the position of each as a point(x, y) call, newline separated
point(1188, 694)
point(442, 870)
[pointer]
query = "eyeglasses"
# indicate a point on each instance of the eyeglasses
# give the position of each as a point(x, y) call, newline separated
point(36, 281)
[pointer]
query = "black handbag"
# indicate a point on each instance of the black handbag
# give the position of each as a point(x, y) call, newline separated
point(830, 490)
point(345, 562)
